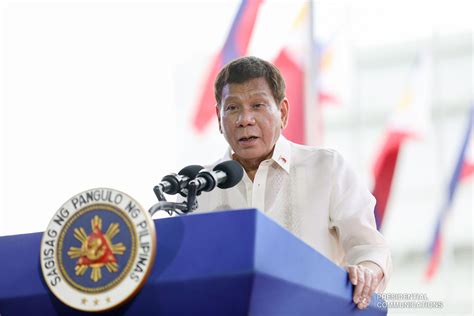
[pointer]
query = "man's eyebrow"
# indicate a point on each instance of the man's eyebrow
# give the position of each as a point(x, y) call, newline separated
point(232, 98)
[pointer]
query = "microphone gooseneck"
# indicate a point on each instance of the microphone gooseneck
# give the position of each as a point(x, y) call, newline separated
point(191, 181)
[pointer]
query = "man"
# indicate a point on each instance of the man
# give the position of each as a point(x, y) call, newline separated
point(309, 191)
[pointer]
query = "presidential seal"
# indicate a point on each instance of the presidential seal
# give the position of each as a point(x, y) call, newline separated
point(98, 250)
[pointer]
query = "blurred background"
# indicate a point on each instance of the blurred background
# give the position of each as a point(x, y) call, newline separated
point(118, 94)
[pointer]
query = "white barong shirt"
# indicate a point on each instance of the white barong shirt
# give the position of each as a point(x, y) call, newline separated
point(315, 195)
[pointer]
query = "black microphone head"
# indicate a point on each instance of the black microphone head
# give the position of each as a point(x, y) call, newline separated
point(234, 172)
point(190, 171)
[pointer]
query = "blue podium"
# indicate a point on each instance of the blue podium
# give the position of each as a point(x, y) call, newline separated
point(236, 262)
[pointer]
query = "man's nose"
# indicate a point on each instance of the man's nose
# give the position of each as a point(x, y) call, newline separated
point(245, 118)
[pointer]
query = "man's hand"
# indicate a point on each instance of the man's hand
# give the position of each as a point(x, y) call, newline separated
point(366, 276)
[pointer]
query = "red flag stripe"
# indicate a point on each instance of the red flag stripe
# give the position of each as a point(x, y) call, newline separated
point(467, 170)
point(294, 77)
point(205, 109)
point(384, 170)
point(434, 260)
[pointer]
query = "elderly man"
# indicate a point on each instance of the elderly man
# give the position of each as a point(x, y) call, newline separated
point(310, 191)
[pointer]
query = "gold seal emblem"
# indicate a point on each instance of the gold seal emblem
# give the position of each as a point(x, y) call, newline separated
point(98, 250)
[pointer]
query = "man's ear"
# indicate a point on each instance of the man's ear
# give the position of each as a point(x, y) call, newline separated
point(218, 113)
point(285, 112)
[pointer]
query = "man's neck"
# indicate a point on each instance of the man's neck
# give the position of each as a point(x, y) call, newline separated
point(251, 166)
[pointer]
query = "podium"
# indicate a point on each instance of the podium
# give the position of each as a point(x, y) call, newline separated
point(235, 262)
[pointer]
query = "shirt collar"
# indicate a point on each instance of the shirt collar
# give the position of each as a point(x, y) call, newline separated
point(281, 153)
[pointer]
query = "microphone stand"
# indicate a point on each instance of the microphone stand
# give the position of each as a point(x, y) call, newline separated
point(181, 208)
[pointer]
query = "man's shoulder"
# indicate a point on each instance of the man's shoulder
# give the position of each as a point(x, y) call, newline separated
point(304, 153)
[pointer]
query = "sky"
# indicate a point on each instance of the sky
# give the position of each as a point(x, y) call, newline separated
point(93, 94)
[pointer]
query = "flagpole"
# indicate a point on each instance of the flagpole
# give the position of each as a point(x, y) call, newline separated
point(311, 119)
point(438, 131)
point(447, 259)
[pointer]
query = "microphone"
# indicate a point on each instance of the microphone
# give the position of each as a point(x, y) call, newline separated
point(225, 175)
point(175, 183)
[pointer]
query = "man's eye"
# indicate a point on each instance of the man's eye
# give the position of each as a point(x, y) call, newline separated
point(230, 108)
point(258, 105)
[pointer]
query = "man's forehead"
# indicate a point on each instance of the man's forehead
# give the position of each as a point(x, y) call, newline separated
point(254, 88)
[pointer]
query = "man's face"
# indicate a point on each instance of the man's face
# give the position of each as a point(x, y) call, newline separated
point(250, 119)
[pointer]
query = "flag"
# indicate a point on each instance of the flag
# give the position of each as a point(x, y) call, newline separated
point(467, 170)
point(235, 46)
point(290, 62)
point(294, 79)
point(410, 120)
point(436, 245)
point(332, 66)
point(332, 70)
point(384, 170)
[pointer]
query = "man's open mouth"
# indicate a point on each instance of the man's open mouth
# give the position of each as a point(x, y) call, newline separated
point(246, 139)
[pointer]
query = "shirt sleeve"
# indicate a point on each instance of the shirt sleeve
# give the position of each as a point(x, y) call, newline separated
point(352, 216)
